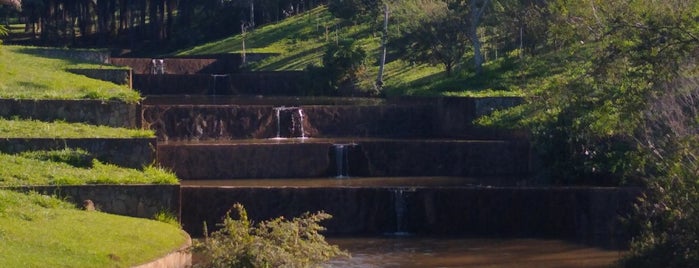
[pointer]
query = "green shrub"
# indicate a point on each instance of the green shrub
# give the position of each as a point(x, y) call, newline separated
point(273, 243)
point(168, 217)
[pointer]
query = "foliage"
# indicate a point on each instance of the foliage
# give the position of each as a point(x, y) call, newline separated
point(273, 243)
point(440, 40)
point(344, 62)
point(42, 231)
point(168, 217)
point(667, 216)
point(355, 10)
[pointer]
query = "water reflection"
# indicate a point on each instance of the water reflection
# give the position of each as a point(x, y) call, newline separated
point(431, 252)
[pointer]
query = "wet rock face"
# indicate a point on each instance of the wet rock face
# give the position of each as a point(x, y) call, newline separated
point(189, 122)
point(227, 122)
point(374, 158)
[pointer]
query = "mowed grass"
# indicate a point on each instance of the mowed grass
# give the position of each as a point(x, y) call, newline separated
point(42, 231)
point(51, 168)
point(26, 74)
point(19, 128)
point(301, 40)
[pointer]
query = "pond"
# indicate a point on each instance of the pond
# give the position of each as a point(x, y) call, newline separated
point(416, 252)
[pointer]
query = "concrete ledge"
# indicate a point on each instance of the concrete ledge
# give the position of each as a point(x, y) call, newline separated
point(95, 112)
point(126, 152)
point(180, 258)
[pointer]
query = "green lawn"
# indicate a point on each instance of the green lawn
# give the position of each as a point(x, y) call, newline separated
point(37, 129)
point(67, 167)
point(41, 231)
point(300, 40)
point(25, 74)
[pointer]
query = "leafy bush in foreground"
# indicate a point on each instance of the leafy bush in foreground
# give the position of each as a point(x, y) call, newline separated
point(273, 243)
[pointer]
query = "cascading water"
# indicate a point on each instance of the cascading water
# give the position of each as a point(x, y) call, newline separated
point(215, 78)
point(400, 203)
point(158, 66)
point(295, 118)
point(303, 133)
point(342, 160)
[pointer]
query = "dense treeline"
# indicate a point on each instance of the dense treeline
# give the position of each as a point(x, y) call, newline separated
point(139, 24)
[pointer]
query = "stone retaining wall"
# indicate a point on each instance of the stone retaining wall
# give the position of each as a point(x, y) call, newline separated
point(250, 83)
point(96, 112)
point(407, 118)
point(370, 158)
point(126, 152)
point(116, 76)
point(590, 215)
point(191, 64)
point(226, 122)
point(142, 201)
point(93, 56)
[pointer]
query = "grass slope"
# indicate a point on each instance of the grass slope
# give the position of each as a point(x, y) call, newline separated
point(38, 129)
point(41, 231)
point(25, 74)
point(300, 40)
point(70, 168)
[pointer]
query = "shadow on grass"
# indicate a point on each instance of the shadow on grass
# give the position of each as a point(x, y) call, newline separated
point(25, 84)
point(68, 55)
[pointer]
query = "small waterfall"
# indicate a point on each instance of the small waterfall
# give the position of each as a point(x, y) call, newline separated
point(215, 79)
point(400, 203)
point(158, 66)
point(293, 117)
point(342, 160)
point(303, 133)
point(277, 111)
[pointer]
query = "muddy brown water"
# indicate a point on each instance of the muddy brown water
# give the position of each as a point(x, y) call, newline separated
point(421, 252)
point(464, 252)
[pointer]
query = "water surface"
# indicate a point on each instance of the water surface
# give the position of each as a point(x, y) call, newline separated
point(443, 252)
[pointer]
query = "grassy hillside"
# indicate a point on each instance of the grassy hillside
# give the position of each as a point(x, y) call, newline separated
point(300, 40)
point(25, 74)
point(41, 231)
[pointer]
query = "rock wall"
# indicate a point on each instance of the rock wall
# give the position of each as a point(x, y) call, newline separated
point(585, 214)
point(96, 112)
point(93, 56)
point(282, 83)
point(372, 158)
point(225, 83)
point(116, 76)
point(142, 201)
point(414, 118)
point(222, 65)
point(128, 152)
point(226, 122)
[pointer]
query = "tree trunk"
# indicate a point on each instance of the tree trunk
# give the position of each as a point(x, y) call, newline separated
point(476, 13)
point(384, 39)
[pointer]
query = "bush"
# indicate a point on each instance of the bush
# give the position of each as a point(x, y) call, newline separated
point(273, 243)
point(344, 63)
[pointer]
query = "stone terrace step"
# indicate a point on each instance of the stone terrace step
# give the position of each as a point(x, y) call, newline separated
point(309, 158)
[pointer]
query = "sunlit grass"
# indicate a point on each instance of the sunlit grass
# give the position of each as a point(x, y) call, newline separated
point(25, 74)
point(33, 169)
point(37, 129)
point(42, 231)
point(300, 41)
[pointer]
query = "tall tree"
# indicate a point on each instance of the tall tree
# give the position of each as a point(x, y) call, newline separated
point(472, 12)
